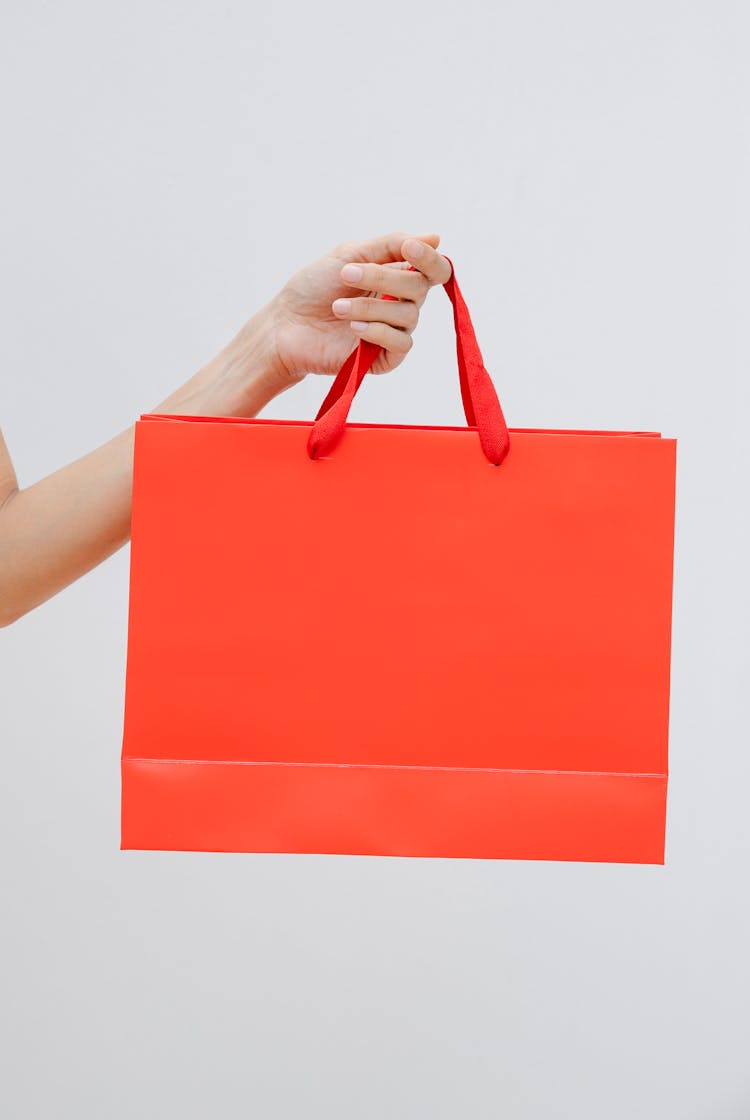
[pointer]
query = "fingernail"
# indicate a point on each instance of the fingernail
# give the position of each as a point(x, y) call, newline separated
point(358, 325)
point(342, 306)
point(414, 248)
point(352, 272)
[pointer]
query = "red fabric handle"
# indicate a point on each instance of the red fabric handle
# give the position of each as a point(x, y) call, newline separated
point(481, 405)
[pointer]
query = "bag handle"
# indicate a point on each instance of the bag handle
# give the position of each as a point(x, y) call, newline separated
point(481, 405)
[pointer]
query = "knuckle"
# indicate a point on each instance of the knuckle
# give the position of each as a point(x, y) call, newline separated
point(411, 316)
point(400, 283)
point(366, 281)
point(445, 271)
point(378, 276)
point(418, 286)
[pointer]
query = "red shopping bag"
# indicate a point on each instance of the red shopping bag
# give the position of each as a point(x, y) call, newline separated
point(399, 639)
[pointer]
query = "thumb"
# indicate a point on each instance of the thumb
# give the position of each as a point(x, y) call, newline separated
point(386, 248)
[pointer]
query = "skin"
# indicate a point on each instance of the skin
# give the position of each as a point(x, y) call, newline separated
point(57, 529)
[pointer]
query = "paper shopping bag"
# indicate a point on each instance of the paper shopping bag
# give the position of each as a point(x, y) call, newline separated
point(392, 639)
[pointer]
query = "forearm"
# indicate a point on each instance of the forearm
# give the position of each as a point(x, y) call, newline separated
point(62, 526)
point(59, 528)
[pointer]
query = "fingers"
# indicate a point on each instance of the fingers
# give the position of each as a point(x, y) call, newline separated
point(373, 275)
point(390, 338)
point(380, 249)
point(397, 282)
point(433, 266)
point(403, 267)
point(396, 313)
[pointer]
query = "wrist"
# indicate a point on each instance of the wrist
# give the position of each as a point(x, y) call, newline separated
point(249, 372)
point(242, 378)
point(255, 348)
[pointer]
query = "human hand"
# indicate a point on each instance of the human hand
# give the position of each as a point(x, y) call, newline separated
point(323, 311)
point(65, 524)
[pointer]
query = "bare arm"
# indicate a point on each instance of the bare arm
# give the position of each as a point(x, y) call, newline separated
point(59, 528)
point(62, 526)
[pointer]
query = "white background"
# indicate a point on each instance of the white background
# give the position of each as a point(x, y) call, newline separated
point(166, 166)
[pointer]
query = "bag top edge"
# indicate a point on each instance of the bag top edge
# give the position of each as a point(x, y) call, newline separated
point(252, 420)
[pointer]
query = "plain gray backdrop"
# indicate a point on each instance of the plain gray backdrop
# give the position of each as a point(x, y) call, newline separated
point(166, 166)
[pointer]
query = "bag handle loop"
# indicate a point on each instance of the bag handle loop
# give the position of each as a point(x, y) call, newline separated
point(481, 405)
